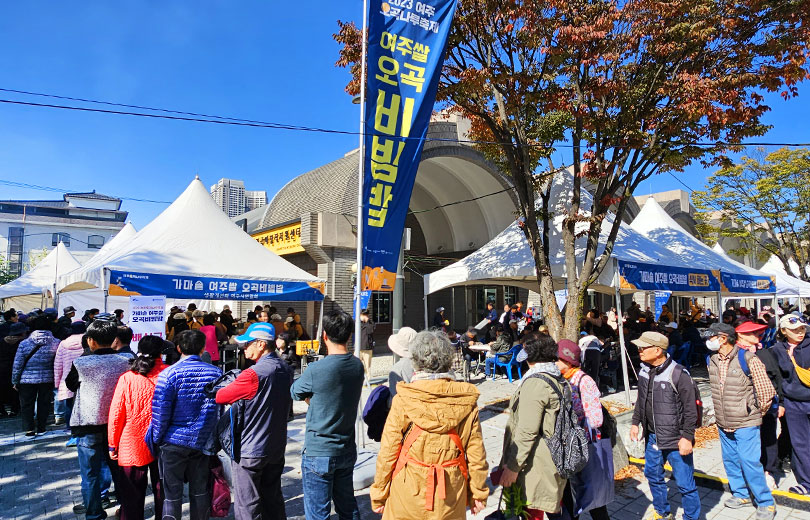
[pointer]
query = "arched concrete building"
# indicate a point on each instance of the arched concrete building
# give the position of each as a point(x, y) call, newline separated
point(460, 201)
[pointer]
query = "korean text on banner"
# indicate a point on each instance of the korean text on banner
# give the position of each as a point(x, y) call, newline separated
point(405, 54)
point(651, 277)
point(147, 317)
point(661, 299)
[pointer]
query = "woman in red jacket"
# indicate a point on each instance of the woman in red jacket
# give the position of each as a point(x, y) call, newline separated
point(130, 415)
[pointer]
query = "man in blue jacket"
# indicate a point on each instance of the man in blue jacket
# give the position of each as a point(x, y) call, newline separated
point(183, 421)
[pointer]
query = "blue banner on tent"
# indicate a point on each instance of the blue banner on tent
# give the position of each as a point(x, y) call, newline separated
point(124, 283)
point(661, 299)
point(651, 277)
point(406, 42)
point(748, 284)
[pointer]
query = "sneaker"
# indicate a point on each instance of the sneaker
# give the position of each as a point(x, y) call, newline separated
point(59, 420)
point(106, 503)
point(30, 434)
point(766, 513)
point(737, 502)
point(657, 516)
point(798, 489)
point(70, 442)
point(770, 481)
point(79, 509)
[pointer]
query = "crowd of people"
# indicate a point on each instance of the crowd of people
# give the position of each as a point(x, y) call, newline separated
point(158, 416)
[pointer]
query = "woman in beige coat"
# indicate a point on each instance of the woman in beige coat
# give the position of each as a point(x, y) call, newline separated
point(432, 462)
point(526, 460)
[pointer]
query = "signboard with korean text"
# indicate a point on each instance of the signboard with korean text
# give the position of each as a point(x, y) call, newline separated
point(652, 277)
point(281, 240)
point(747, 284)
point(123, 283)
point(147, 317)
point(406, 42)
point(661, 299)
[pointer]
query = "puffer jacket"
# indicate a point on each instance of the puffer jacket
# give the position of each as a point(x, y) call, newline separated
point(437, 407)
point(182, 413)
point(130, 415)
point(792, 387)
point(69, 350)
point(8, 351)
point(40, 367)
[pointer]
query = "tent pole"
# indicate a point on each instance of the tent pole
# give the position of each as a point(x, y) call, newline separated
point(105, 286)
point(620, 327)
point(320, 326)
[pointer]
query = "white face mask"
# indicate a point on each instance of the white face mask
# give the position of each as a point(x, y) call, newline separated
point(713, 344)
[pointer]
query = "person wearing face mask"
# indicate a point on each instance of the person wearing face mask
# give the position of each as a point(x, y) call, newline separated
point(666, 416)
point(742, 393)
point(793, 353)
point(748, 338)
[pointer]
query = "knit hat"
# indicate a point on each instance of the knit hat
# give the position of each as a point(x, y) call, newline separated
point(569, 352)
point(78, 327)
point(17, 329)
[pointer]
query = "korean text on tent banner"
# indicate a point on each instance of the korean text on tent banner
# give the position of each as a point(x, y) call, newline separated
point(147, 317)
point(747, 283)
point(125, 283)
point(651, 277)
point(406, 42)
point(661, 299)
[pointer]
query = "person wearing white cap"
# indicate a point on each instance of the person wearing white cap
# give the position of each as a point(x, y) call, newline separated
point(439, 321)
point(402, 370)
point(792, 350)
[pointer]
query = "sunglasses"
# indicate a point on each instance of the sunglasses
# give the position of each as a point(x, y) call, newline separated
point(793, 320)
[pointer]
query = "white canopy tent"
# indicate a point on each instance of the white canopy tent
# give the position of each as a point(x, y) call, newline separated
point(187, 253)
point(655, 224)
point(507, 258)
point(35, 288)
point(787, 286)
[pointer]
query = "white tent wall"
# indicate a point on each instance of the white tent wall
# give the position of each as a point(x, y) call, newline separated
point(786, 285)
point(27, 303)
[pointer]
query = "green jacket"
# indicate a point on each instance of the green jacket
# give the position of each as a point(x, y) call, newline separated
point(533, 412)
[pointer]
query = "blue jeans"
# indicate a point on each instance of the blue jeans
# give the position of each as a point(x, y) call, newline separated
point(683, 471)
point(741, 454)
point(94, 456)
point(326, 479)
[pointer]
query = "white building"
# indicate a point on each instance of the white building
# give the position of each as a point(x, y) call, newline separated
point(255, 199)
point(229, 194)
point(84, 222)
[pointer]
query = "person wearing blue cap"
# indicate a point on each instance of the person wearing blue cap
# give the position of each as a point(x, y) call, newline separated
point(258, 457)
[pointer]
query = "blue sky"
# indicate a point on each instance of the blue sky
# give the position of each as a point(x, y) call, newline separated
point(269, 61)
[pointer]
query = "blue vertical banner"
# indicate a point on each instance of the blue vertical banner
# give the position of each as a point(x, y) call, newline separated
point(661, 299)
point(406, 43)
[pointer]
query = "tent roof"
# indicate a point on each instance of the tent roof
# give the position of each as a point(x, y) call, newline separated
point(58, 262)
point(656, 224)
point(192, 237)
point(786, 285)
point(508, 259)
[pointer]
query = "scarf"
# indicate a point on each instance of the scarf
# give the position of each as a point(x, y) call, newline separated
point(428, 376)
point(549, 368)
point(568, 374)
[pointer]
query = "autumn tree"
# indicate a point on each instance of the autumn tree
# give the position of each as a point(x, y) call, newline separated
point(622, 90)
point(764, 202)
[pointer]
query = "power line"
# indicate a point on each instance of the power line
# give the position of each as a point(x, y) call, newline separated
point(61, 190)
point(225, 120)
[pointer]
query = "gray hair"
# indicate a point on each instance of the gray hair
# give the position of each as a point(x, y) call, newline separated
point(431, 352)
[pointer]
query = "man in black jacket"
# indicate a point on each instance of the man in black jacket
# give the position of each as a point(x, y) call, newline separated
point(669, 429)
point(258, 458)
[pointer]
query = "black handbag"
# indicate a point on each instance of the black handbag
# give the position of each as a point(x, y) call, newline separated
point(229, 426)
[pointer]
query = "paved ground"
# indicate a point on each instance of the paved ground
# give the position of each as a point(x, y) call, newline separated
point(39, 477)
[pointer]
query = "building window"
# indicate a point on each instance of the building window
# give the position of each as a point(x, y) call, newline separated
point(64, 237)
point(380, 307)
point(95, 242)
point(15, 250)
point(509, 295)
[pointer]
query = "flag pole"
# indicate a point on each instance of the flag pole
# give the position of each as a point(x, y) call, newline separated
point(360, 178)
point(361, 173)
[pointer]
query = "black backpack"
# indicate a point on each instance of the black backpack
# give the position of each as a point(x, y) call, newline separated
point(569, 444)
point(676, 377)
